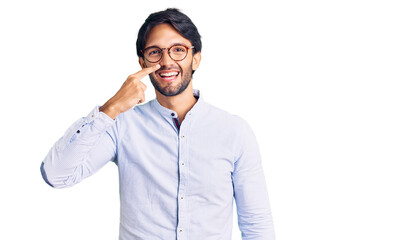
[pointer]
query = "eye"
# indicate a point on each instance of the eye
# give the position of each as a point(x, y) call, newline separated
point(178, 49)
point(153, 52)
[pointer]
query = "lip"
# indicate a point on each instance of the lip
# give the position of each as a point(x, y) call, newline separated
point(173, 78)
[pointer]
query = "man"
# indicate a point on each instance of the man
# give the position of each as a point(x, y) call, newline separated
point(181, 161)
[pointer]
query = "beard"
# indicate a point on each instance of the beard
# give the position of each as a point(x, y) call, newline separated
point(169, 90)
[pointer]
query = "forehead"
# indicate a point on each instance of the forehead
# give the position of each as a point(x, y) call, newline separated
point(164, 35)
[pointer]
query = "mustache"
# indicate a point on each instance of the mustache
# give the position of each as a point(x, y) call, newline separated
point(169, 68)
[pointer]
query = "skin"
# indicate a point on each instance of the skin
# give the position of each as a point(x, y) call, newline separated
point(133, 89)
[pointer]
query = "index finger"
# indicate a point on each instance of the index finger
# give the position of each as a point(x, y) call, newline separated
point(145, 71)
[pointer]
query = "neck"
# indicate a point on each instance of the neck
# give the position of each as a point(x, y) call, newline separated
point(180, 103)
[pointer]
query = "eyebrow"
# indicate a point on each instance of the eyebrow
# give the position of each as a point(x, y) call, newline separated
point(169, 46)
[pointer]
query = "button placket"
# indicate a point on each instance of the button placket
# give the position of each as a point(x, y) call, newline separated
point(183, 184)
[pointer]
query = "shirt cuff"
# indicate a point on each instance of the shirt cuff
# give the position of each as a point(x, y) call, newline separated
point(100, 120)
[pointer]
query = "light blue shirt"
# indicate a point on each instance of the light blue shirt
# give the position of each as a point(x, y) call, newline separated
point(175, 183)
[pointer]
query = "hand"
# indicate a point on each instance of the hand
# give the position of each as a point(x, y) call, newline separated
point(131, 93)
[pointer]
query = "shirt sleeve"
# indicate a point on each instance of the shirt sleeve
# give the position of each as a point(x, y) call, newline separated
point(250, 191)
point(86, 146)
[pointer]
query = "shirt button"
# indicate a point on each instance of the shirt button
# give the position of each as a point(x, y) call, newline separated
point(92, 115)
point(181, 197)
point(173, 114)
point(180, 230)
point(183, 164)
point(78, 131)
point(183, 136)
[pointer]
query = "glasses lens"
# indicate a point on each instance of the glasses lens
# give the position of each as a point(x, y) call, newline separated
point(178, 52)
point(153, 54)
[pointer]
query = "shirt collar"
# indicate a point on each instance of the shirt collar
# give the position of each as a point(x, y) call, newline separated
point(172, 114)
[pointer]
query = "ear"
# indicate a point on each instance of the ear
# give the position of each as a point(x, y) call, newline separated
point(142, 63)
point(196, 60)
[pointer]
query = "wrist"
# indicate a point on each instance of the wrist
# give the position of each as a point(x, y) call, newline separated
point(109, 110)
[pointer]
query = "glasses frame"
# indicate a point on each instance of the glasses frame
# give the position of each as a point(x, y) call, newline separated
point(168, 50)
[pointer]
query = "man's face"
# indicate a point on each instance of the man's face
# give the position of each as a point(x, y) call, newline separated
point(164, 36)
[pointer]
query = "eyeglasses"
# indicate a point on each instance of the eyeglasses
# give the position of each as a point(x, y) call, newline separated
point(176, 52)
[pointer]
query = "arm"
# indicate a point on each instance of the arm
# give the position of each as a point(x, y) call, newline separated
point(85, 147)
point(91, 142)
point(250, 192)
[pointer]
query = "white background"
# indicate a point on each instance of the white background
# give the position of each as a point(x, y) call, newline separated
point(324, 84)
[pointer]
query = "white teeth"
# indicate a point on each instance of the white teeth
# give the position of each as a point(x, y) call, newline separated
point(168, 74)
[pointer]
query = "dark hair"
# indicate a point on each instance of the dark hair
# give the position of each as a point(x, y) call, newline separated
point(178, 20)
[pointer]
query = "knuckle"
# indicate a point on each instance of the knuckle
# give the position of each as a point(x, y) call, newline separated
point(139, 86)
point(132, 76)
point(131, 79)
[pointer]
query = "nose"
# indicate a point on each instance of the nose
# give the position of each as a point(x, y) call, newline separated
point(166, 59)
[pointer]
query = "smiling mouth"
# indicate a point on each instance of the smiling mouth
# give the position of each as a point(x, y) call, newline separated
point(168, 75)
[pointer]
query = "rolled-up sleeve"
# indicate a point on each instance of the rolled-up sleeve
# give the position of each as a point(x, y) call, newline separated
point(250, 191)
point(86, 146)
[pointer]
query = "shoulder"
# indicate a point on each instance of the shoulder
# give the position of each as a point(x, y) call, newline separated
point(137, 114)
point(227, 120)
point(143, 109)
